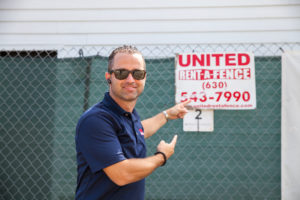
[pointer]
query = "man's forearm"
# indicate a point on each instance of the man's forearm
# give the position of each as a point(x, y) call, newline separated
point(151, 125)
point(134, 169)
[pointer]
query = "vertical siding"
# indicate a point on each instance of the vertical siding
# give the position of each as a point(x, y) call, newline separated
point(76, 23)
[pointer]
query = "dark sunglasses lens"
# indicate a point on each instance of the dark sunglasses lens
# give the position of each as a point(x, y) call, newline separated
point(121, 74)
point(138, 74)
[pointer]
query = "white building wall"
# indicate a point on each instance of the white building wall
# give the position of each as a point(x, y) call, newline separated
point(42, 24)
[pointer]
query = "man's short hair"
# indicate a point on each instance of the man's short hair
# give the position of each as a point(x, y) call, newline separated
point(123, 49)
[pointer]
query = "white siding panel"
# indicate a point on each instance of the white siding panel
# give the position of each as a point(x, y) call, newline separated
point(91, 4)
point(201, 26)
point(150, 14)
point(109, 22)
point(21, 41)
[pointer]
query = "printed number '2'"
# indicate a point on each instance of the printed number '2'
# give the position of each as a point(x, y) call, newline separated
point(199, 113)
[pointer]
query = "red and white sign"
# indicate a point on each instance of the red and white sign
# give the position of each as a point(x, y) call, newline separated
point(216, 80)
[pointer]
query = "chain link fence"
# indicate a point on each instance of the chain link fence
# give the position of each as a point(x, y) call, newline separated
point(43, 93)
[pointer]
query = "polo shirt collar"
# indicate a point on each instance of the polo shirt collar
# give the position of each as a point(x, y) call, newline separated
point(110, 103)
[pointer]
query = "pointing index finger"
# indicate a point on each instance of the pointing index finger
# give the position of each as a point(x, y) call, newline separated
point(186, 102)
point(174, 140)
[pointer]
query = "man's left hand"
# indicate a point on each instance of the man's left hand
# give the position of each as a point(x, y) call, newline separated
point(178, 111)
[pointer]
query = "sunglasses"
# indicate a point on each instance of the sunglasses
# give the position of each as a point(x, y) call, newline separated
point(122, 74)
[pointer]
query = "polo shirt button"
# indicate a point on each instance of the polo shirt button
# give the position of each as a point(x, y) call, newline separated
point(126, 114)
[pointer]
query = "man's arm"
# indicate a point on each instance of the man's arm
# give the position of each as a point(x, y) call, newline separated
point(135, 169)
point(151, 125)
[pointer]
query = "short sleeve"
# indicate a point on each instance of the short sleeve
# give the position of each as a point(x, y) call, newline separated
point(99, 143)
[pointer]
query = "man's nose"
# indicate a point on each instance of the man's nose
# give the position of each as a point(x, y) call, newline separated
point(130, 78)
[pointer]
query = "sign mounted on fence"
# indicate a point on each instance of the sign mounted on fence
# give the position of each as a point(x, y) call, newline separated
point(216, 80)
point(199, 120)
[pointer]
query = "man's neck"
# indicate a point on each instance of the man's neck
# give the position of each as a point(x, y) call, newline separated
point(128, 106)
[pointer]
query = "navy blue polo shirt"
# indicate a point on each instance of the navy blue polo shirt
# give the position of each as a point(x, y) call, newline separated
point(107, 134)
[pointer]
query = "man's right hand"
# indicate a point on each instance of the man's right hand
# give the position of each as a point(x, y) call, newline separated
point(135, 169)
point(167, 148)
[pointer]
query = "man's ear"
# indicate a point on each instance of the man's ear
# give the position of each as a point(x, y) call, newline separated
point(107, 77)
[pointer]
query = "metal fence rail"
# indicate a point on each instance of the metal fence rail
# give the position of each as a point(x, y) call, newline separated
point(42, 95)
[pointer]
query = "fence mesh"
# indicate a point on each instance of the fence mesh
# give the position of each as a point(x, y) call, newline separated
point(42, 96)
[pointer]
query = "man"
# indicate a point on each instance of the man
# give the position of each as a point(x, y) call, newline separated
point(110, 145)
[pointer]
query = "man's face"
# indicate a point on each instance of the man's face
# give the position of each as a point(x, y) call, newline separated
point(128, 89)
